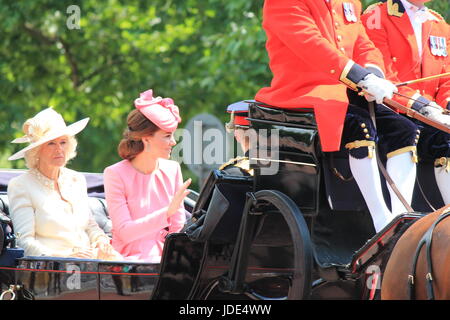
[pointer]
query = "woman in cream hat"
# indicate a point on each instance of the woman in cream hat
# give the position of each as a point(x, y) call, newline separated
point(49, 203)
point(145, 191)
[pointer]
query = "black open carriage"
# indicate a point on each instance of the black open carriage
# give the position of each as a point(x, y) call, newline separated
point(72, 278)
point(288, 235)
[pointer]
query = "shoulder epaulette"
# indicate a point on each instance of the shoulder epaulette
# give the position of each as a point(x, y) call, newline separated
point(437, 14)
point(372, 6)
point(231, 162)
point(244, 164)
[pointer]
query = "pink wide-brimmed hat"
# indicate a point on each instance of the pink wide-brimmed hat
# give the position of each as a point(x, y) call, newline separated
point(45, 126)
point(161, 111)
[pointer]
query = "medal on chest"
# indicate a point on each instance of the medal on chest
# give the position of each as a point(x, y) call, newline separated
point(438, 46)
point(349, 12)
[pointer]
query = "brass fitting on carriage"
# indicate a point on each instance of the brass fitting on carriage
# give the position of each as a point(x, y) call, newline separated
point(412, 149)
point(10, 293)
point(443, 163)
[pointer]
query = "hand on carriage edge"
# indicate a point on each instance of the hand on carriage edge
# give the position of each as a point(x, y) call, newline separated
point(145, 191)
point(49, 203)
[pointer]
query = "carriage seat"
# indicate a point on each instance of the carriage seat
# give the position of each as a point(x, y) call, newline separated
point(303, 163)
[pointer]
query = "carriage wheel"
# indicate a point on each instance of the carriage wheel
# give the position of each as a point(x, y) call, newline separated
point(295, 284)
point(300, 278)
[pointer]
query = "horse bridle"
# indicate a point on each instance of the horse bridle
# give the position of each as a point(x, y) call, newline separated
point(426, 240)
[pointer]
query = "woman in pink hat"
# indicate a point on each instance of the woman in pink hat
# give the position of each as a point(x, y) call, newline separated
point(145, 191)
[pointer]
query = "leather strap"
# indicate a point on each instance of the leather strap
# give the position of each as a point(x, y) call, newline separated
point(383, 169)
point(426, 240)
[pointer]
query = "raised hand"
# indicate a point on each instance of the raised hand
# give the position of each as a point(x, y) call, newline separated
point(178, 198)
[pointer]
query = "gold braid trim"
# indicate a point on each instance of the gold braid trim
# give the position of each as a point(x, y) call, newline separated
point(394, 9)
point(437, 14)
point(362, 143)
point(412, 149)
point(443, 162)
point(244, 164)
point(230, 162)
point(372, 6)
point(343, 78)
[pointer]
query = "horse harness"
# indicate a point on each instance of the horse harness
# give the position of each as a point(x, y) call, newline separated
point(426, 240)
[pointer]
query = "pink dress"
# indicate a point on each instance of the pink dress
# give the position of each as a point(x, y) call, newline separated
point(137, 205)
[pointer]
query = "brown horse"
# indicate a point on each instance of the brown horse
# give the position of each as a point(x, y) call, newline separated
point(399, 267)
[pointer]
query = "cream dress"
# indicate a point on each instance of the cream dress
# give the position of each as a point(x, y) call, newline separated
point(46, 224)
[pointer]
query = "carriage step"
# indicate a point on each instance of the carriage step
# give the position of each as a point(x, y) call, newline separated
point(378, 247)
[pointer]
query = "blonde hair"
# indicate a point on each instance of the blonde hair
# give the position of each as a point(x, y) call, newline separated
point(32, 156)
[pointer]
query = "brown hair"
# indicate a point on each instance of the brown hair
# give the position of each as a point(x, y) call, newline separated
point(138, 127)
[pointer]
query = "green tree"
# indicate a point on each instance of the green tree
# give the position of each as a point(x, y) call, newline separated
point(203, 54)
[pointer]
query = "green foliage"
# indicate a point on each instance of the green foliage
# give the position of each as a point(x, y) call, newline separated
point(204, 54)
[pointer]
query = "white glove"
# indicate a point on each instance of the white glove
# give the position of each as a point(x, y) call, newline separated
point(435, 112)
point(377, 88)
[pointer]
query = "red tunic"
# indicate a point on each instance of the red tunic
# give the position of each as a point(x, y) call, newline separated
point(315, 54)
point(392, 32)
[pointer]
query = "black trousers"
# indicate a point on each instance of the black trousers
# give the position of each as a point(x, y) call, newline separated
point(433, 143)
point(393, 131)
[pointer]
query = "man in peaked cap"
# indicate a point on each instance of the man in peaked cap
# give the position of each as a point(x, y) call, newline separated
point(414, 41)
point(239, 126)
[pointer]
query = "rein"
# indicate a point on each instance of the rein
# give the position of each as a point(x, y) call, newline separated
point(383, 169)
point(425, 241)
point(415, 115)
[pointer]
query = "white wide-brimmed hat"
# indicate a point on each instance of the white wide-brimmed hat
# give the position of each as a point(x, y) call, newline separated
point(43, 127)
